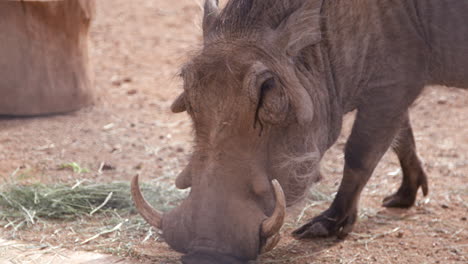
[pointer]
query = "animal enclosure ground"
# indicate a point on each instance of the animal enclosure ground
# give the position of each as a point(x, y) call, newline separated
point(137, 48)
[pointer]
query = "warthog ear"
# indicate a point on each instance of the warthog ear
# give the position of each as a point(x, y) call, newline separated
point(211, 11)
point(266, 93)
point(178, 106)
point(300, 29)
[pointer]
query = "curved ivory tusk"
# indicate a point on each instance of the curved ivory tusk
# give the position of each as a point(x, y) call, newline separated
point(152, 216)
point(273, 224)
point(271, 243)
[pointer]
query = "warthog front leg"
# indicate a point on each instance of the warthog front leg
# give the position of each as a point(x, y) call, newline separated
point(373, 132)
point(413, 173)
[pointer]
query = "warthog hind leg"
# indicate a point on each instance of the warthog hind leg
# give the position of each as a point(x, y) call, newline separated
point(413, 173)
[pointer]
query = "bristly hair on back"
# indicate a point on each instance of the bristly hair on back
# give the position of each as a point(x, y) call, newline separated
point(246, 17)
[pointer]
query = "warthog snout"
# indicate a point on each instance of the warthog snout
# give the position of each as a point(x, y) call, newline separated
point(185, 228)
point(210, 258)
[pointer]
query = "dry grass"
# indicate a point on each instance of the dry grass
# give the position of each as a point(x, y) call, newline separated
point(82, 216)
point(27, 204)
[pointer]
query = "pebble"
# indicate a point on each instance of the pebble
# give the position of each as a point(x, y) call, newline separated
point(131, 92)
point(442, 101)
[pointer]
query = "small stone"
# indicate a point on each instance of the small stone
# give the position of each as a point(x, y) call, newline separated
point(116, 148)
point(180, 149)
point(131, 92)
point(107, 166)
point(442, 101)
point(108, 126)
point(115, 80)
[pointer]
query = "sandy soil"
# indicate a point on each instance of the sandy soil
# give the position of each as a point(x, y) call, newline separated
point(137, 48)
point(22, 253)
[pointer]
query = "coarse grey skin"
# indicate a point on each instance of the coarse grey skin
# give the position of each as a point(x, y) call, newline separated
point(267, 94)
point(380, 65)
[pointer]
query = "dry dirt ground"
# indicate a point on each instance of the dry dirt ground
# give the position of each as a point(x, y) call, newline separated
point(137, 48)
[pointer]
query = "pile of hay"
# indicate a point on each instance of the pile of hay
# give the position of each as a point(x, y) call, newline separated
point(30, 203)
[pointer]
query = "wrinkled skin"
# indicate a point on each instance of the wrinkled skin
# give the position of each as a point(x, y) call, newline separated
point(231, 165)
point(244, 121)
point(267, 93)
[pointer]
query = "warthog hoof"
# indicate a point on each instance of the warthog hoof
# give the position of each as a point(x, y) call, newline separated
point(399, 200)
point(327, 224)
point(406, 194)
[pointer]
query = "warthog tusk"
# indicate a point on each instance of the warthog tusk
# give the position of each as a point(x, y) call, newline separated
point(152, 216)
point(270, 243)
point(272, 225)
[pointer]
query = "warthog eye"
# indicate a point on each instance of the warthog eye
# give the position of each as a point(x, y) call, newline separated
point(267, 93)
point(267, 85)
point(273, 103)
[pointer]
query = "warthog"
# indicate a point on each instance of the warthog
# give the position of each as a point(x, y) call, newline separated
point(267, 93)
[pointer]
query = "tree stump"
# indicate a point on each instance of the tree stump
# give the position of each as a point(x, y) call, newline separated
point(44, 64)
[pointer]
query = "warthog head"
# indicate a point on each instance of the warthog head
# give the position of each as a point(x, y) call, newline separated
point(252, 94)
